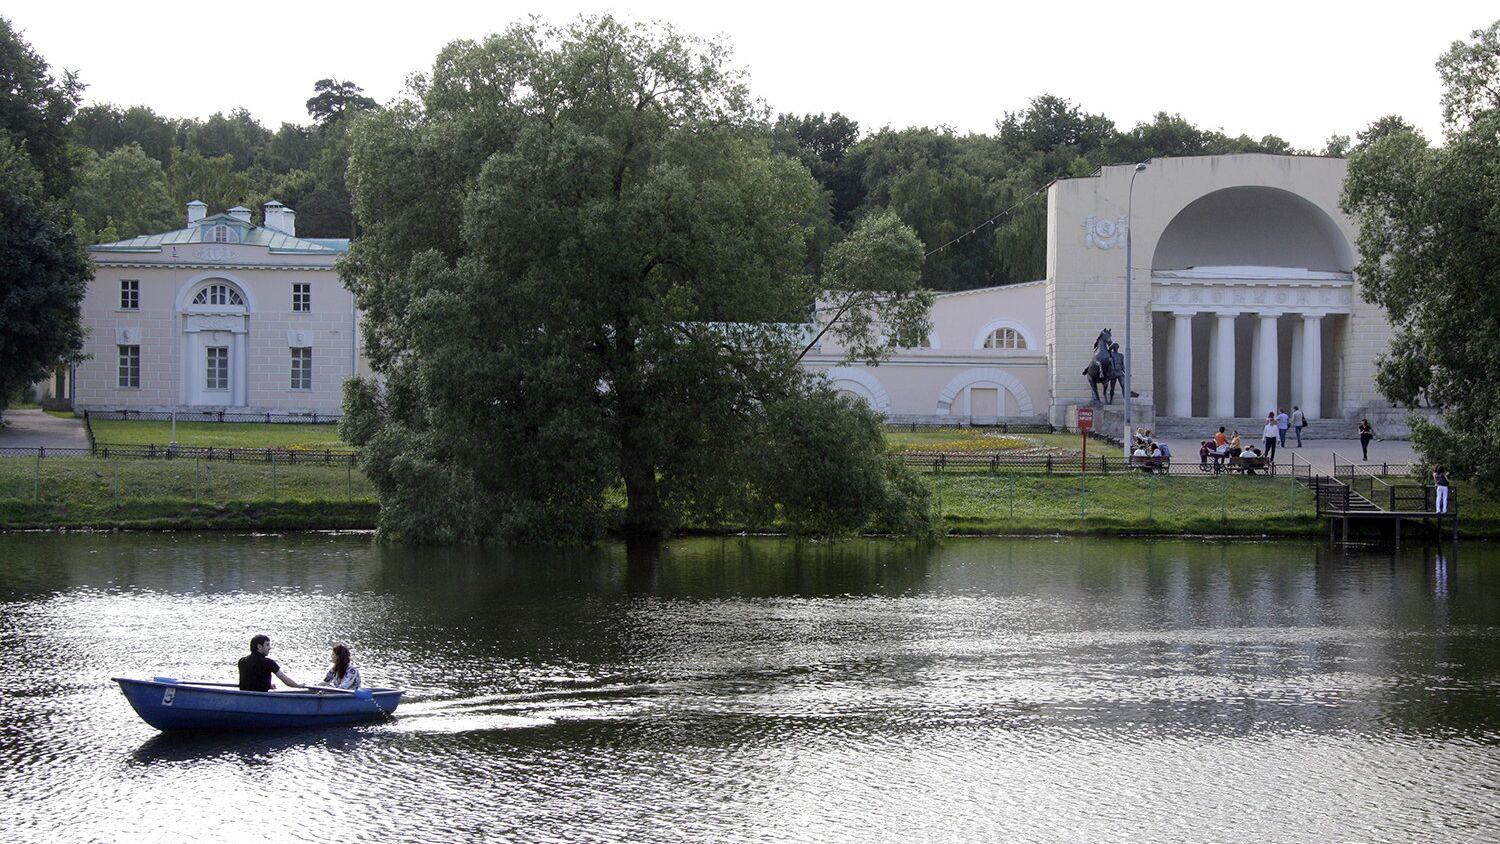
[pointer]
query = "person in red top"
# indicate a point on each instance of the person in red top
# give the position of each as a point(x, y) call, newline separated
point(1220, 438)
point(257, 668)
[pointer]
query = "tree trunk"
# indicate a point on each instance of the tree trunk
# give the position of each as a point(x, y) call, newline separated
point(643, 516)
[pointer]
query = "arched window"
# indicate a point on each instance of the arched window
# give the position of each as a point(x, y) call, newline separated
point(218, 294)
point(223, 234)
point(1005, 338)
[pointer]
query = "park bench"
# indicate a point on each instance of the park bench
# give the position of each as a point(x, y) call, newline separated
point(1246, 465)
point(1150, 464)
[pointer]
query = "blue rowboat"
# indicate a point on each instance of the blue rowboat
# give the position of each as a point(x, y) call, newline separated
point(169, 704)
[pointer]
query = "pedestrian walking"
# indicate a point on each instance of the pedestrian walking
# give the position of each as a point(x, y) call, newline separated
point(1440, 482)
point(1282, 421)
point(1270, 432)
point(1366, 433)
point(1299, 421)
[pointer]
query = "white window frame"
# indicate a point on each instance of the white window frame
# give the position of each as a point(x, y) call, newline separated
point(301, 297)
point(130, 367)
point(1005, 337)
point(219, 294)
point(216, 368)
point(130, 294)
point(302, 363)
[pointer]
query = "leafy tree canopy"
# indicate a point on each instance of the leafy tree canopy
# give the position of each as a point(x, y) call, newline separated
point(43, 268)
point(124, 194)
point(35, 110)
point(44, 273)
point(1429, 244)
point(584, 275)
point(336, 99)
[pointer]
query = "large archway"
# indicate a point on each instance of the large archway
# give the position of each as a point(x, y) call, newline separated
point(862, 384)
point(1251, 286)
point(1253, 227)
point(958, 399)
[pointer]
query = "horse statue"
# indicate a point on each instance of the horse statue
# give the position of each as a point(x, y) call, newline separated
point(1101, 370)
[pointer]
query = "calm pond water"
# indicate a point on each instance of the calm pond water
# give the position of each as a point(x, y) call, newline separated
point(758, 690)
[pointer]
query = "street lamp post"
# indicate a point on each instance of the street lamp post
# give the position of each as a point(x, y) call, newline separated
point(1129, 359)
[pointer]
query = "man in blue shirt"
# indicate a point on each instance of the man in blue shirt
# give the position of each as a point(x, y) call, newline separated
point(1282, 422)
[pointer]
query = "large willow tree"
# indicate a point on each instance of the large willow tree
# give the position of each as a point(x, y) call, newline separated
point(584, 273)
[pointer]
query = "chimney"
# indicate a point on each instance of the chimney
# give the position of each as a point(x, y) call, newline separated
point(196, 211)
point(240, 213)
point(280, 218)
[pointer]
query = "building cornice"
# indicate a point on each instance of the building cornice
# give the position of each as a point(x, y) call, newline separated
point(1264, 296)
point(171, 265)
point(1028, 359)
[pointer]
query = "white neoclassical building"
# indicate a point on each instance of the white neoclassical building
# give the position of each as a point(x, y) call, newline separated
point(222, 315)
point(983, 363)
point(1243, 301)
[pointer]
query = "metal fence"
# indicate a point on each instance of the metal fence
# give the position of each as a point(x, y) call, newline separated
point(1102, 464)
point(236, 454)
point(212, 416)
point(78, 482)
point(1188, 501)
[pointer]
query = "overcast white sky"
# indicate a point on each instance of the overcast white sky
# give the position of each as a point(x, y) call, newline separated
point(1303, 71)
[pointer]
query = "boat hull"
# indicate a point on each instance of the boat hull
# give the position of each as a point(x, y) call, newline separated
point(174, 705)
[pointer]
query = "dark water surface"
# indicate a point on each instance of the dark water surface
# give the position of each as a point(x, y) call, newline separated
point(1042, 689)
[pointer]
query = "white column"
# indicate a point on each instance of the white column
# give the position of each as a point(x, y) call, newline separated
point(1221, 386)
point(1263, 387)
point(238, 371)
point(1180, 389)
point(1312, 365)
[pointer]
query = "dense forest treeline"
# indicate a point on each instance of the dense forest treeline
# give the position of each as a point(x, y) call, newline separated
point(137, 168)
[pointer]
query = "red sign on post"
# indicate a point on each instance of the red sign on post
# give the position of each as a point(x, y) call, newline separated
point(1085, 424)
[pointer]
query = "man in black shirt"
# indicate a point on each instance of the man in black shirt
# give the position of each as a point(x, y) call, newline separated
point(257, 668)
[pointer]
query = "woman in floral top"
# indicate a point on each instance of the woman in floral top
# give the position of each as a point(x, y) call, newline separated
point(343, 674)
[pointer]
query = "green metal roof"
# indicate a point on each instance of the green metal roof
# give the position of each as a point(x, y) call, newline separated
point(249, 235)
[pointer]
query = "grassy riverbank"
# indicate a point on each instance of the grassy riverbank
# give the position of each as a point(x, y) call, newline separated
point(1124, 503)
point(203, 494)
point(87, 492)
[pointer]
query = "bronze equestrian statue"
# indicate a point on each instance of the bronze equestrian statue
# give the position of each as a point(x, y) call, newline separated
point(1103, 368)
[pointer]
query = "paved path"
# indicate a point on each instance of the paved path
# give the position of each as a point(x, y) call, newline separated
point(1317, 452)
point(33, 428)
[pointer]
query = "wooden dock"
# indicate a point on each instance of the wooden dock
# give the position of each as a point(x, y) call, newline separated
point(1363, 497)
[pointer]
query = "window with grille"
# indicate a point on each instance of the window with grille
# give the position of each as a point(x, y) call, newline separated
point(218, 294)
point(130, 294)
point(1005, 338)
point(130, 366)
point(222, 234)
point(302, 369)
point(301, 297)
point(217, 368)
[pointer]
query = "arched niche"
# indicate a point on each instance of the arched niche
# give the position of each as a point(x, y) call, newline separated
point(1253, 227)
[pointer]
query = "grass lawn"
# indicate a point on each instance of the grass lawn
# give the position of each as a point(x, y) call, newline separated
point(93, 481)
point(219, 434)
point(217, 494)
point(182, 494)
point(1027, 503)
point(969, 440)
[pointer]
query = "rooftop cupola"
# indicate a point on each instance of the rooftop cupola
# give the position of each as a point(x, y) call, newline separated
point(196, 211)
point(240, 213)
